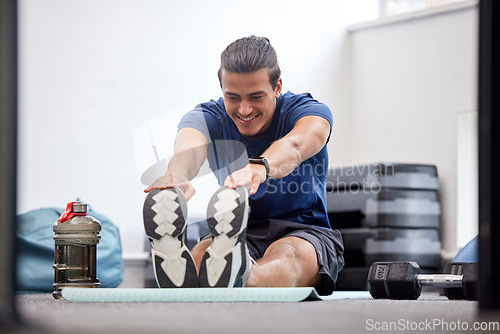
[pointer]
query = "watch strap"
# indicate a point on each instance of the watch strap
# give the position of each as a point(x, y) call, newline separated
point(261, 161)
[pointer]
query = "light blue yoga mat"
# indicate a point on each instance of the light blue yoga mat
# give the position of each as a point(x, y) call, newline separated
point(97, 295)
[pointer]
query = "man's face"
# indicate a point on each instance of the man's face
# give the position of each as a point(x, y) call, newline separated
point(250, 101)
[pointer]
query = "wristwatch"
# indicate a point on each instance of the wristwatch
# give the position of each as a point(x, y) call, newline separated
point(260, 161)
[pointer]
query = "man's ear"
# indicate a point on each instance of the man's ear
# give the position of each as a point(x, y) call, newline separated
point(277, 91)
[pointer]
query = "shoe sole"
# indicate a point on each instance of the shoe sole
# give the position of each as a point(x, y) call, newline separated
point(164, 214)
point(226, 261)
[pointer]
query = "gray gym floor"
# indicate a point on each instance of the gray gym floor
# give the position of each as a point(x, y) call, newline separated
point(335, 316)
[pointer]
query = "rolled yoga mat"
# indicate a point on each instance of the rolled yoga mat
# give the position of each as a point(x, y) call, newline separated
point(97, 295)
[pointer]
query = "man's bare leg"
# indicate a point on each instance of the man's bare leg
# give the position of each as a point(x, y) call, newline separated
point(198, 251)
point(288, 262)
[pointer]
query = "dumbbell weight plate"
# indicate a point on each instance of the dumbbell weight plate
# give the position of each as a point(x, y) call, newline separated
point(469, 290)
point(376, 276)
point(401, 282)
point(394, 280)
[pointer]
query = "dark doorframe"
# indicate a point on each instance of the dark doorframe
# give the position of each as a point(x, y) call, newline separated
point(489, 152)
point(8, 159)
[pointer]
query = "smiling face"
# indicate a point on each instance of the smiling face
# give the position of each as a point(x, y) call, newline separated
point(250, 101)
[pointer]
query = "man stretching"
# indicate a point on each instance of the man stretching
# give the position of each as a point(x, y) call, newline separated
point(268, 221)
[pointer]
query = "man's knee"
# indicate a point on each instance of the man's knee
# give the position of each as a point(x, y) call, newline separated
point(294, 248)
point(299, 258)
point(303, 253)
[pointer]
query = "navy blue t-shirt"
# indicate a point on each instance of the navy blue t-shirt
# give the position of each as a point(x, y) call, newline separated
point(300, 196)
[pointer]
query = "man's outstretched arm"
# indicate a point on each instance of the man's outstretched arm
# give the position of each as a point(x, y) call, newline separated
point(190, 151)
point(306, 139)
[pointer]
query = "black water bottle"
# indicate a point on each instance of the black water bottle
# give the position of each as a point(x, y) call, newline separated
point(76, 238)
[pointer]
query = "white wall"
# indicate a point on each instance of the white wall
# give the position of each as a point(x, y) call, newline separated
point(92, 72)
point(411, 80)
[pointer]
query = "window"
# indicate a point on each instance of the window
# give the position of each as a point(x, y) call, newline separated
point(397, 7)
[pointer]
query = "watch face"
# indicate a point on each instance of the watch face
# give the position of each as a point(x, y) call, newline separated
point(256, 160)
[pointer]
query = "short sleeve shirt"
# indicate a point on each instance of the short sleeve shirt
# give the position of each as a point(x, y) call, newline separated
point(300, 196)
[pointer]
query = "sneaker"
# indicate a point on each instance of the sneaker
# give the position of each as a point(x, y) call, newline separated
point(164, 213)
point(226, 262)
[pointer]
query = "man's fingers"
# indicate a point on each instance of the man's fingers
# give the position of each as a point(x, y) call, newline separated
point(235, 180)
point(188, 190)
point(163, 184)
point(229, 183)
point(244, 178)
point(148, 189)
point(255, 186)
point(153, 186)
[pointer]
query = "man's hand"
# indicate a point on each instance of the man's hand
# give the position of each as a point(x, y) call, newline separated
point(251, 176)
point(168, 181)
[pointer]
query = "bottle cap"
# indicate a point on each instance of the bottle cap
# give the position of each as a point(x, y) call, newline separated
point(73, 209)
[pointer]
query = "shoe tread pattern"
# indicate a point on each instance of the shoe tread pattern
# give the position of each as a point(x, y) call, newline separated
point(219, 217)
point(159, 216)
point(238, 212)
point(149, 213)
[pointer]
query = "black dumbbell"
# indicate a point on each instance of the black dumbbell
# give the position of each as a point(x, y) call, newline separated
point(404, 280)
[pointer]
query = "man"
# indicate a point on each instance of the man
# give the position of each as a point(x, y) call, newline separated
point(275, 234)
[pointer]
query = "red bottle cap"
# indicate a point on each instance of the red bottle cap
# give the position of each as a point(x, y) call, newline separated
point(69, 213)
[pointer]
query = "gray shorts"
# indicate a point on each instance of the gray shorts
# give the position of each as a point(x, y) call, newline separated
point(261, 233)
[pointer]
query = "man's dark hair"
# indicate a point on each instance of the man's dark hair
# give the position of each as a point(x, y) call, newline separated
point(248, 55)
